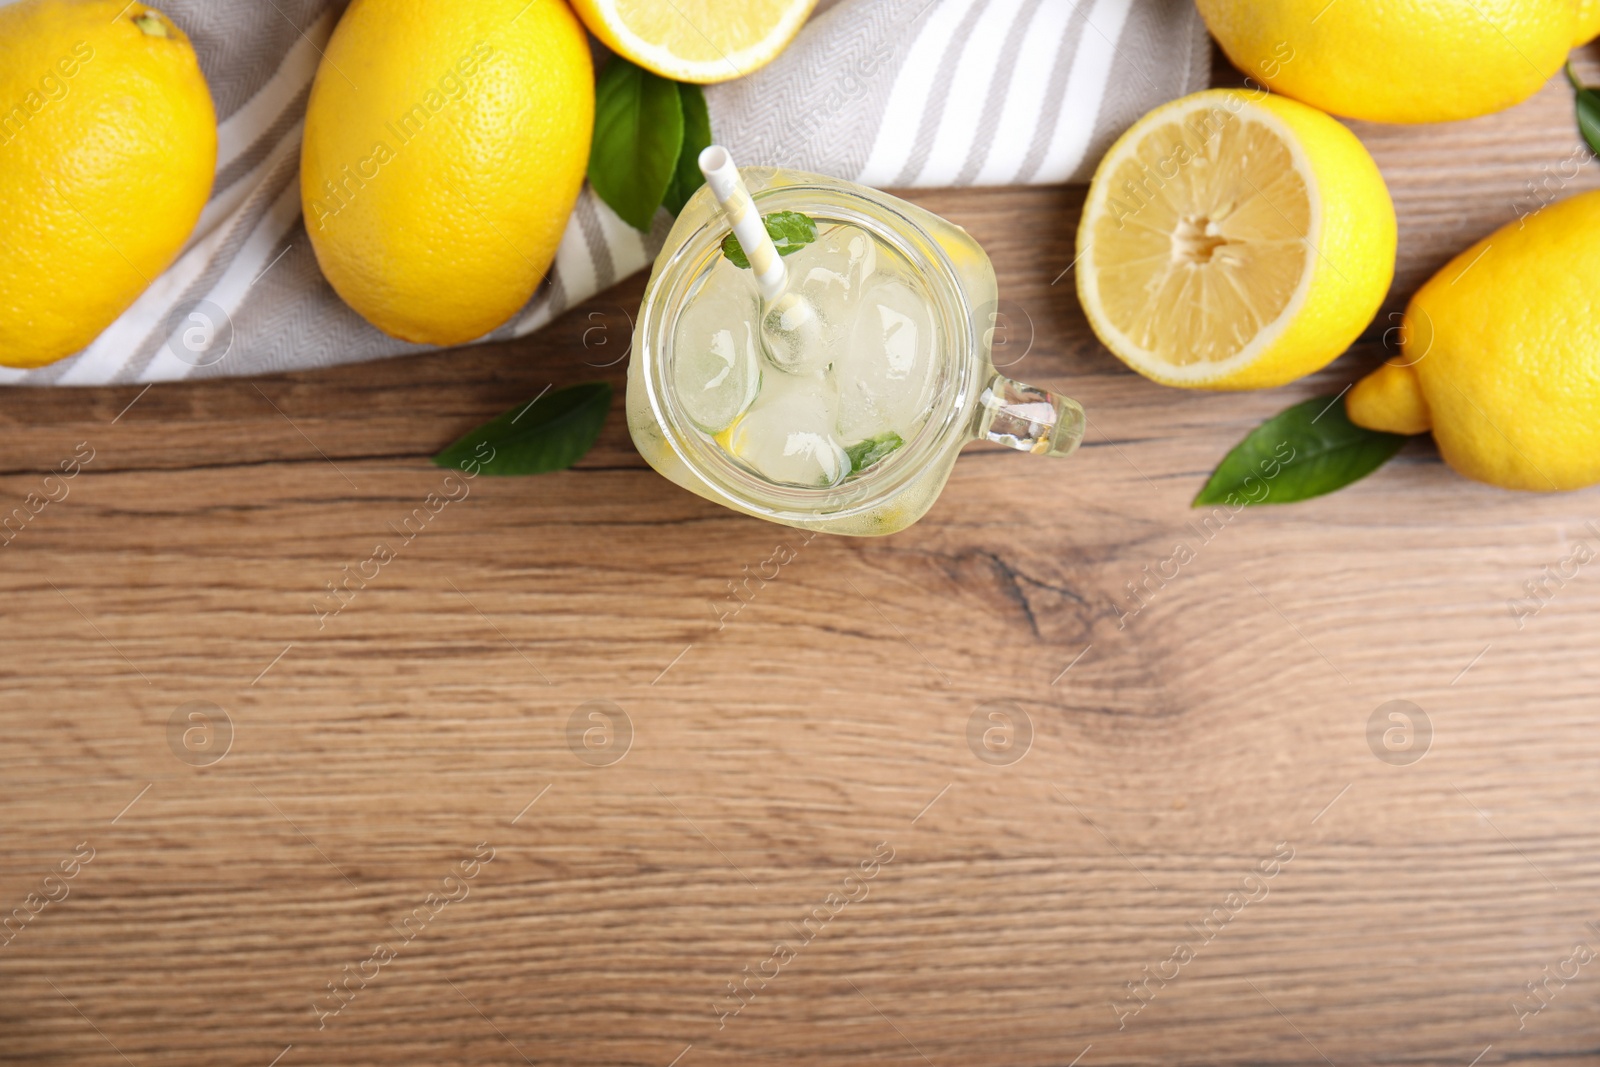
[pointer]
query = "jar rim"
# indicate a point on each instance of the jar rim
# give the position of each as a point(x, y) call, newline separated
point(824, 198)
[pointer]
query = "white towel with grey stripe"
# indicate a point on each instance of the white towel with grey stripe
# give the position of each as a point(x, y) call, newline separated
point(889, 93)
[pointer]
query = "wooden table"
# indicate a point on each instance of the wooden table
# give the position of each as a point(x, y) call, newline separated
point(800, 772)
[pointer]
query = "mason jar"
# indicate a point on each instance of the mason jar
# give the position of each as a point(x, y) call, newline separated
point(972, 401)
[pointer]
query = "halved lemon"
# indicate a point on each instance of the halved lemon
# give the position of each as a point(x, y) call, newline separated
point(696, 40)
point(1234, 240)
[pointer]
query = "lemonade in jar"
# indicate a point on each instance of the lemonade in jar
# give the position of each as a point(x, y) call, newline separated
point(827, 377)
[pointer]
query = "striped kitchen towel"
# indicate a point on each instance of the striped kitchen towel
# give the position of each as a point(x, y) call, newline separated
point(890, 93)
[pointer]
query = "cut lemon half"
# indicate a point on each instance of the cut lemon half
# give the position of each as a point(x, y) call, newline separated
point(1234, 240)
point(696, 40)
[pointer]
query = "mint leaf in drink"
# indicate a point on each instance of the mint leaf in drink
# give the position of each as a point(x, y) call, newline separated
point(735, 252)
point(549, 433)
point(864, 454)
point(686, 176)
point(1587, 101)
point(790, 231)
point(638, 133)
point(1304, 451)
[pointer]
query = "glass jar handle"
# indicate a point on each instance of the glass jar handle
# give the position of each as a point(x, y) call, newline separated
point(1029, 419)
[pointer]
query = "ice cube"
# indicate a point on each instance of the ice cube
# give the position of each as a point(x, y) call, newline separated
point(787, 435)
point(716, 362)
point(885, 374)
point(833, 269)
point(805, 328)
point(793, 335)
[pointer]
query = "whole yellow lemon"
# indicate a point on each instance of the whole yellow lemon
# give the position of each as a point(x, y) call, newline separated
point(1588, 22)
point(445, 145)
point(1397, 60)
point(1500, 356)
point(108, 144)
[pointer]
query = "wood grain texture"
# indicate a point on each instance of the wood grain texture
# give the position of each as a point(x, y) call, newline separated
point(776, 751)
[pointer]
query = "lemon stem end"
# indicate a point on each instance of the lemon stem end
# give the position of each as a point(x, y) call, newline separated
point(152, 25)
point(1390, 399)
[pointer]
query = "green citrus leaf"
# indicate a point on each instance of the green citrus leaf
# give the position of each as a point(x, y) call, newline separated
point(686, 176)
point(1588, 104)
point(549, 433)
point(1302, 452)
point(790, 231)
point(638, 131)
